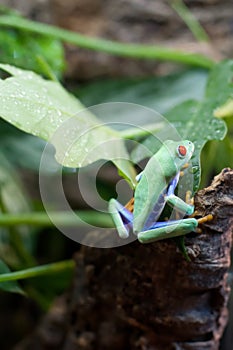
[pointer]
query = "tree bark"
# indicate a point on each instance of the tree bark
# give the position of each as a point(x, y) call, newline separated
point(149, 297)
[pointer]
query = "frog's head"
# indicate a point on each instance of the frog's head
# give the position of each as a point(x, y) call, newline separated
point(180, 151)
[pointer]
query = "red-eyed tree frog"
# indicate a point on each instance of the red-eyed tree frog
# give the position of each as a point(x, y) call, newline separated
point(155, 188)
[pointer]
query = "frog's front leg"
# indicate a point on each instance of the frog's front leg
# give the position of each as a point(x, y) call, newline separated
point(179, 204)
point(175, 201)
point(121, 216)
point(167, 229)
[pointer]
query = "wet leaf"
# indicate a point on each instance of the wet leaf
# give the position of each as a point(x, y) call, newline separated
point(45, 109)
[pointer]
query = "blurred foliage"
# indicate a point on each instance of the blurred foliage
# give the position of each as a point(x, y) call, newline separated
point(18, 244)
point(186, 103)
point(170, 95)
point(28, 50)
point(188, 98)
point(40, 107)
point(9, 286)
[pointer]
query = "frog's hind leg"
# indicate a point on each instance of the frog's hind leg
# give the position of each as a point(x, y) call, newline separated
point(122, 218)
point(167, 229)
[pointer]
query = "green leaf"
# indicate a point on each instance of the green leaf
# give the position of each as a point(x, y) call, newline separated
point(9, 286)
point(25, 49)
point(220, 83)
point(45, 109)
point(158, 93)
point(197, 124)
point(203, 126)
point(195, 120)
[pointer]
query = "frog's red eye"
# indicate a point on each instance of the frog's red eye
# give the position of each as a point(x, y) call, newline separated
point(182, 151)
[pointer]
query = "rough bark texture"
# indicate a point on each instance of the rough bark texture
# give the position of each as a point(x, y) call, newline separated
point(149, 297)
point(136, 21)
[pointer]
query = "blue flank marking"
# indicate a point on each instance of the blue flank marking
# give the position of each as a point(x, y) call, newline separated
point(159, 205)
point(172, 185)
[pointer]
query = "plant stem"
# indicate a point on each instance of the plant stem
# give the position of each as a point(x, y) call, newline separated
point(38, 271)
point(41, 219)
point(45, 68)
point(197, 30)
point(108, 46)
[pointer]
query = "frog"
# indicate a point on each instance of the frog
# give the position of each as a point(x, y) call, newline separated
point(155, 188)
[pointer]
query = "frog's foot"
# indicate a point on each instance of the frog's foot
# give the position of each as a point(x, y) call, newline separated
point(185, 166)
point(206, 218)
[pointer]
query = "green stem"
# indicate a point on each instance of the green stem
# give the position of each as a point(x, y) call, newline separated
point(111, 47)
point(41, 219)
point(45, 68)
point(190, 20)
point(38, 271)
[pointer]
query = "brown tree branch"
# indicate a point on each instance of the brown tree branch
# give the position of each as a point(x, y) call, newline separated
point(149, 297)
